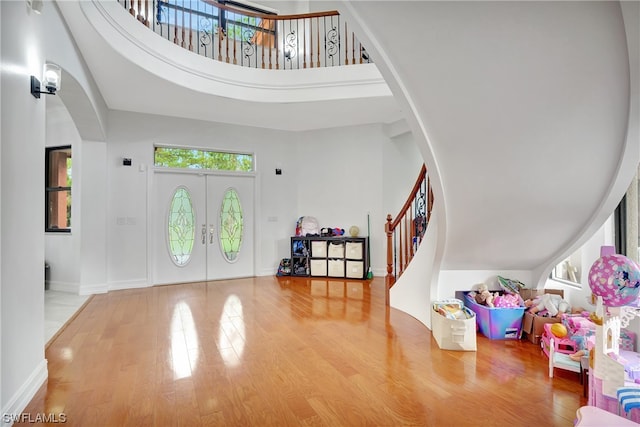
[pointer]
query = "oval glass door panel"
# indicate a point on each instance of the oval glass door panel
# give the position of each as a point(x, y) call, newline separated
point(181, 227)
point(231, 225)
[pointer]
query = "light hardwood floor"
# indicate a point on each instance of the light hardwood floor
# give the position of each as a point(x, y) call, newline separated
point(286, 352)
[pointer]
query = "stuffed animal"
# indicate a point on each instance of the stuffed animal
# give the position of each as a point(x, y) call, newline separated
point(554, 304)
point(483, 296)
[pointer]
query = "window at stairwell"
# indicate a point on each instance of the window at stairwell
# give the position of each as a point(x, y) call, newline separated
point(207, 21)
point(188, 158)
point(58, 189)
point(621, 231)
point(569, 269)
point(627, 221)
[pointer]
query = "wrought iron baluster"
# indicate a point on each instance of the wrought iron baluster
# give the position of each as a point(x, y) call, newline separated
point(346, 45)
point(204, 22)
point(304, 43)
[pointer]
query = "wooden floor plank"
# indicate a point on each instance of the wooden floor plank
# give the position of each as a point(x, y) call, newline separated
point(286, 351)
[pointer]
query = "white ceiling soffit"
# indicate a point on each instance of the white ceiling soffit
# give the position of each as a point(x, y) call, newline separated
point(138, 71)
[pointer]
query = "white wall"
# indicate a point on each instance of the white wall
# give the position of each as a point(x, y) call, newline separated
point(22, 224)
point(332, 174)
point(92, 183)
point(1, 139)
point(134, 135)
point(28, 40)
point(62, 250)
point(402, 162)
point(340, 180)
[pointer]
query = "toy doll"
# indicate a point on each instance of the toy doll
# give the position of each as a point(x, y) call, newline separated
point(483, 296)
point(555, 305)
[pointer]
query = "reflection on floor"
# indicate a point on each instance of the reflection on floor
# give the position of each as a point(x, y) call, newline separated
point(59, 307)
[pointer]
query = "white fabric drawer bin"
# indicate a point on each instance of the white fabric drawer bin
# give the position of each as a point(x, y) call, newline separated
point(336, 250)
point(336, 268)
point(355, 269)
point(353, 250)
point(318, 267)
point(319, 248)
point(454, 334)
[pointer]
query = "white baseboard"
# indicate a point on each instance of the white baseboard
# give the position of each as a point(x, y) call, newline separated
point(129, 284)
point(72, 288)
point(25, 393)
point(98, 288)
point(267, 272)
point(379, 272)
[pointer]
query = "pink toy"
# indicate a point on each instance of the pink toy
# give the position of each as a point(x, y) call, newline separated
point(615, 278)
point(508, 301)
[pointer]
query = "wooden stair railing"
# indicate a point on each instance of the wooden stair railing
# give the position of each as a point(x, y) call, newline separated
point(405, 232)
point(247, 38)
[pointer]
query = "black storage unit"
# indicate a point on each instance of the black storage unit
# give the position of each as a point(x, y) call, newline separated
point(340, 257)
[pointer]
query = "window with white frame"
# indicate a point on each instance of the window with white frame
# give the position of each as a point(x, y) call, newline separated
point(58, 189)
point(196, 158)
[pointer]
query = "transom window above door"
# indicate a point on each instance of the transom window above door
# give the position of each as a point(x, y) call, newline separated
point(198, 158)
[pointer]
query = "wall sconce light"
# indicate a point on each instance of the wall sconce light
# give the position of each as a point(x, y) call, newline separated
point(51, 77)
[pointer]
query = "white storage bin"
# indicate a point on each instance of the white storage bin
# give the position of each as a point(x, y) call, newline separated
point(353, 250)
point(336, 250)
point(319, 248)
point(318, 267)
point(355, 269)
point(453, 334)
point(336, 268)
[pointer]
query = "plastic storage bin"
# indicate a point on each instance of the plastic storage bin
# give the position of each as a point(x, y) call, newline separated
point(497, 323)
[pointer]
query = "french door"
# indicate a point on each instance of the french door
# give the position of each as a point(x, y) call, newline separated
point(202, 227)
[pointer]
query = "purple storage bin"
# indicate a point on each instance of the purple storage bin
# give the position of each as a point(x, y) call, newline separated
point(497, 323)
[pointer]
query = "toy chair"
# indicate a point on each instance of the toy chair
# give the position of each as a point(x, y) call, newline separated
point(562, 361)
point(562, 345)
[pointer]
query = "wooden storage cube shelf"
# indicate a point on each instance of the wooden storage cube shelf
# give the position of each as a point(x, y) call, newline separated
point(353, 250)
point(329, 256)
point(318, 267)
point(319, 248)
point(355, 269)
point(335, 268)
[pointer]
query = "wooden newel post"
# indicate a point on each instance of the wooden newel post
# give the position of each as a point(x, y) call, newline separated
point(387, 228)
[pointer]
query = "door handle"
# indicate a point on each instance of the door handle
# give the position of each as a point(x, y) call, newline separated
point(211, 234)
point(204, 233)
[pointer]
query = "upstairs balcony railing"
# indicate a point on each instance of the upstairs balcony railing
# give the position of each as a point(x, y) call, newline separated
point(249, 38)
point(406, 230)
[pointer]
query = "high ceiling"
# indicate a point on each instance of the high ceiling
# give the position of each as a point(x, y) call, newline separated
point(119, 52)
